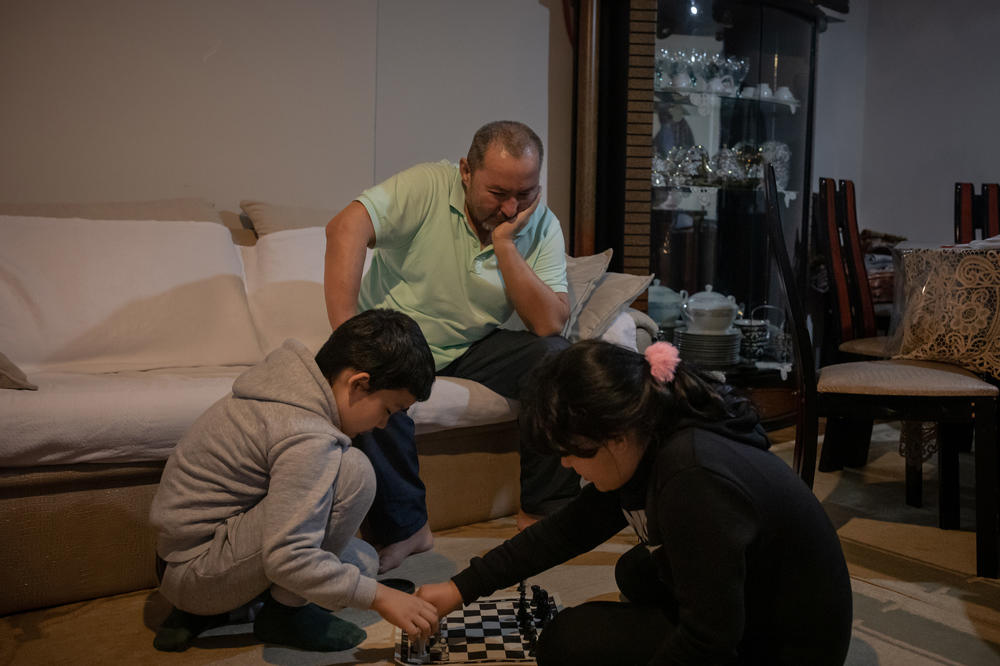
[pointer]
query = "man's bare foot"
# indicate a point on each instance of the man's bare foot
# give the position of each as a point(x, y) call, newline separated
point(526, 519)
point(392, 556)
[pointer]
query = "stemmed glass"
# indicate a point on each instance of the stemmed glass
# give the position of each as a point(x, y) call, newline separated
point(738, 68)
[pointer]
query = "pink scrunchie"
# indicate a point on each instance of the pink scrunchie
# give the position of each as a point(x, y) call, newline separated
point(663, 358)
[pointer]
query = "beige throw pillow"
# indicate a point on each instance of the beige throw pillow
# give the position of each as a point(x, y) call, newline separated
point(268, 218)
point(613, 293)
point(582, 274)
point(11, 376)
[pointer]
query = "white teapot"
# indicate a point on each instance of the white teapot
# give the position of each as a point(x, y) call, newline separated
point(709, 311)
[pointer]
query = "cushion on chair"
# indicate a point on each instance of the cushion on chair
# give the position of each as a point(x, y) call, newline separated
point(904, 378)
point(875, 347)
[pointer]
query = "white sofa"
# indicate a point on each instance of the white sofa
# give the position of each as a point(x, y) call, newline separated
point(130, 328)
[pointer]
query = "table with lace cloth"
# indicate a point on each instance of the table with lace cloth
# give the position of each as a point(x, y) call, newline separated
point(948, 310)
point(950, 306)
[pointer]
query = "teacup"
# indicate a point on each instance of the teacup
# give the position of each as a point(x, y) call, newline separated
point(784, 93)
point(722, 85)
point(749, 92)
point(681, 80)
point(765, 91)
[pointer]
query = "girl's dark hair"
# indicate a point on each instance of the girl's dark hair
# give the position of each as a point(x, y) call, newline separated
point(386, 344)
point(595, 391)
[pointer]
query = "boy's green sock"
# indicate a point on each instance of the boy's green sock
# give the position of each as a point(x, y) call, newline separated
point(176, 632)
point(306, 627)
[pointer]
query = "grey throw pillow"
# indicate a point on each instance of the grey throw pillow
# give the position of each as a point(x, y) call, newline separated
point(612, 294)
point(582, 274)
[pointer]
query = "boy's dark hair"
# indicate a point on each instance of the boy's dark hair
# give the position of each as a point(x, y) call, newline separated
point(386, 344)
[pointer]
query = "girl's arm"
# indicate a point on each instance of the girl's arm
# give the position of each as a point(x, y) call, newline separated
point(589, 520)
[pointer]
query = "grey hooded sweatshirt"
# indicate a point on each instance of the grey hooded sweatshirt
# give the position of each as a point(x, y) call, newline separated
point(276, 435)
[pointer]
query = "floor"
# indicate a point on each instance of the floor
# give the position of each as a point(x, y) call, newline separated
point(917, 599)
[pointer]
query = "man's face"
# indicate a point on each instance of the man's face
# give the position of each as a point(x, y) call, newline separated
point(500, 188)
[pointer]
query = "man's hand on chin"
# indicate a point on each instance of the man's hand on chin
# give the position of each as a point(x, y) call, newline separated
point(506, 231)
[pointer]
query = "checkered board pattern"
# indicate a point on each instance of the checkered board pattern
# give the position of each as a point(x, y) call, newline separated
point(483, 632)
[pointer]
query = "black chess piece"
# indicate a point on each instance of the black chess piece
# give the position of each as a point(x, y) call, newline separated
point(540, 602)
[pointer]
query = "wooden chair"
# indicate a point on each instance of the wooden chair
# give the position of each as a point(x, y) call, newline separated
point(894, 390)
point(976, 215)
point(853, 308)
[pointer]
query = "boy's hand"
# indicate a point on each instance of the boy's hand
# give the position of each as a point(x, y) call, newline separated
point(444, 596)
point(417, 617)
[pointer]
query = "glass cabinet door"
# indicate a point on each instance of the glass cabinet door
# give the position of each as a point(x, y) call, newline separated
point(733, 88)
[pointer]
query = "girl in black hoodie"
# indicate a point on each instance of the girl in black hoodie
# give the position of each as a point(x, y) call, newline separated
point(738, 562)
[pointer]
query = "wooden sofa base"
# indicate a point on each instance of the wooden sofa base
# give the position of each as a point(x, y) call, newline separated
point(79, 532)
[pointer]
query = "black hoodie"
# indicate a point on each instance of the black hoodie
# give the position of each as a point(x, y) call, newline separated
point(756, 568)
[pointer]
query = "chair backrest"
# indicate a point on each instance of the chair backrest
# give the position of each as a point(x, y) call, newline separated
point(976, 215)
point(991, 212)
point(828, 237)
point(964, 198)
point(862, 303)
point(852, 306)
point(804, 457)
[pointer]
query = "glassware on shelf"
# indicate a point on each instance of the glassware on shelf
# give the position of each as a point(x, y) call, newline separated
point(693, 71)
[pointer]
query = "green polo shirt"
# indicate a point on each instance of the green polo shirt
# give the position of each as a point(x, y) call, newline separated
point(427, 262)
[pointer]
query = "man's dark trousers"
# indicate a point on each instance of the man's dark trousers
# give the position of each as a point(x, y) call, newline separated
point(501, 361)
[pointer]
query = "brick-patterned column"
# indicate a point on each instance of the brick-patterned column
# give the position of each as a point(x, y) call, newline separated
point(639, 138)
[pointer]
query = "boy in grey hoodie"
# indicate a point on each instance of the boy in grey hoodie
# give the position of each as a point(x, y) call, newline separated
point(264, 493)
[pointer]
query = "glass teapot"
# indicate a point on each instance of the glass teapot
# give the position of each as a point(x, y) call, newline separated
point(709, 311)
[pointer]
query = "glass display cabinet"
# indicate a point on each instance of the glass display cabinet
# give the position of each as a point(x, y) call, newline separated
point(733, 90)
point(713, 90)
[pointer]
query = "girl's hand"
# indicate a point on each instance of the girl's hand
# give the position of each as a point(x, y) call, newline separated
point(417, 617)
point(444, 596)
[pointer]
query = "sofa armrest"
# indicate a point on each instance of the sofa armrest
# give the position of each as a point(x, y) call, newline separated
point(646, 330)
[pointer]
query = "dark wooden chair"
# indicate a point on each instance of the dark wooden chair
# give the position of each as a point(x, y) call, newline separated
point(852, 310)
point(893, 390)
point(976, 215)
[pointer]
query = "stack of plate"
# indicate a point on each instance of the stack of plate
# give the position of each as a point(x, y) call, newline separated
point(709, 350)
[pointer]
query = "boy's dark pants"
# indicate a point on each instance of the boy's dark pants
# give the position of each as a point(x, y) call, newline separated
point(500, 361)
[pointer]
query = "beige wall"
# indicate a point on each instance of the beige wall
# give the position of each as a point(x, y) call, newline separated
point(296, 101)
point(906, 105)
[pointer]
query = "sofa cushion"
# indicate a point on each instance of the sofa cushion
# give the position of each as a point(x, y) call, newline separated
point(284, 282)
point(268, 218)
point(188, 209)
point(140, 416)
point(185, 209)
point(106, 418)
point(110, 295)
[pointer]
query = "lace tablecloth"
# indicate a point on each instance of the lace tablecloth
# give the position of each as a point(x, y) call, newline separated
point(950, 306)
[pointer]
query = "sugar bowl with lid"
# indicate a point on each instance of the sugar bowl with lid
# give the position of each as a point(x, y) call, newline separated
point(709, 312)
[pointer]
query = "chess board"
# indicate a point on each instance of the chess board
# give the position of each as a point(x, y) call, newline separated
point(486, 631)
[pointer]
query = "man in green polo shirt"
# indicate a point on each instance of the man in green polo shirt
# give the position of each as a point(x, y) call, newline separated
point(459, 248)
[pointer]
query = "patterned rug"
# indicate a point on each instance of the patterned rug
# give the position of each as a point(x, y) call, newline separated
point(917, 600)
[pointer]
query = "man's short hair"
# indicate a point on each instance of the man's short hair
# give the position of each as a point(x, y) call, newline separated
point(513, 136)
point(386, 344)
